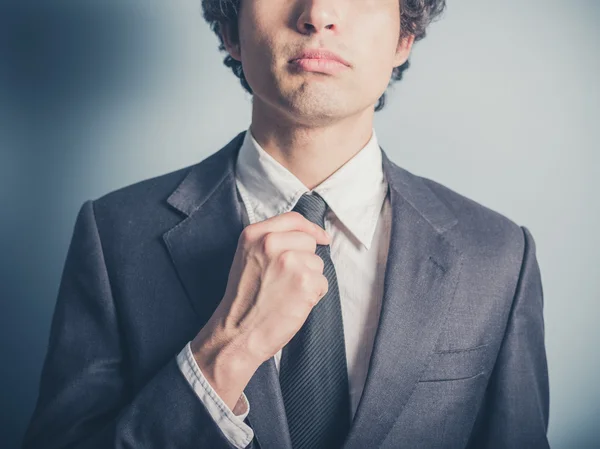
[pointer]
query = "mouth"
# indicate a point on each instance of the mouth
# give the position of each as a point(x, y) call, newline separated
point(320, 61)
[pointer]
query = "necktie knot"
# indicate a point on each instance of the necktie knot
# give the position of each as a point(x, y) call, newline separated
point(312, 207)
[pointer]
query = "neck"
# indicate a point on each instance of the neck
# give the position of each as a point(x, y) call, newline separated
point(312, 153)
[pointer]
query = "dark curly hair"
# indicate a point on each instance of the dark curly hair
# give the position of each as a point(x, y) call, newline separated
point(415, 17)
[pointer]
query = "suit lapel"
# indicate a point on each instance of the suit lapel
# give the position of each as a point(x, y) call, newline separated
point(420, 279)
point(202, 247)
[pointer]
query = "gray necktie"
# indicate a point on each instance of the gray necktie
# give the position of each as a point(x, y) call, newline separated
point(313, 373)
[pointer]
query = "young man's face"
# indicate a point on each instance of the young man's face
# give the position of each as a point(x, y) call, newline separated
point(363, 32)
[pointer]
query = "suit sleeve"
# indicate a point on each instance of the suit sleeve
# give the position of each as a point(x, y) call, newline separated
point(514, 412)
point(85, 398)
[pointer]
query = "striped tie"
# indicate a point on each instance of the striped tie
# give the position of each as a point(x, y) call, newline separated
point(313, 373)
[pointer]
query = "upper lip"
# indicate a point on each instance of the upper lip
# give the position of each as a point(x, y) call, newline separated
point(319, 53)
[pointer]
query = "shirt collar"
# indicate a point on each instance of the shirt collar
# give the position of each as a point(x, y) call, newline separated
point(354, 193)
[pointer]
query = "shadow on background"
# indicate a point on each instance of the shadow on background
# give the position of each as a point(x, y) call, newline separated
point(60, 66)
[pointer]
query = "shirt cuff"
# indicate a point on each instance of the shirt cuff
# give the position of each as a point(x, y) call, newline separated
point(233, 426)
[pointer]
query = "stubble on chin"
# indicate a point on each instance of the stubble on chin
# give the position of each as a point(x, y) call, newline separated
point(310, 101)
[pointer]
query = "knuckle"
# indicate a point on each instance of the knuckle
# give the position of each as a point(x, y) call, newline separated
point(295, 215)
point(285, 259)
point(320, 263)
point(297, 218)
point(303, 280)
point(310, 241)
point(268, 244)
point(247, 234)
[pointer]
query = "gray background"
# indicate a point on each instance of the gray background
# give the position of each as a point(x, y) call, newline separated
point(501, 104)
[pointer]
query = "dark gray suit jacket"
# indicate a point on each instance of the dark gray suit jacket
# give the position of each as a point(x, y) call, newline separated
point(458, 360)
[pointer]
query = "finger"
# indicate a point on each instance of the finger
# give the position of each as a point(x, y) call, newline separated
point(291, 241)
point(311, 260)
point(294, 221)
point(322, 287)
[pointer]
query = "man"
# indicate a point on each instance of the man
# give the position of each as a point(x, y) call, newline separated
point(297, 289)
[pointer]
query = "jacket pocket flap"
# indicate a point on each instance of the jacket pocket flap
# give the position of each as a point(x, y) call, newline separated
point(455, 364)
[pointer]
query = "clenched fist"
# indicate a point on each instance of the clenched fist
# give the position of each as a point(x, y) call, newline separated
point(274, 282)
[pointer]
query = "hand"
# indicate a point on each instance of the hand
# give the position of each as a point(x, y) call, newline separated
point(274, 282)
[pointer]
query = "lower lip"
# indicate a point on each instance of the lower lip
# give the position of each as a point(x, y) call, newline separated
point(328, 66)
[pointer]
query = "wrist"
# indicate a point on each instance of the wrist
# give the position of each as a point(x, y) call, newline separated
point(223, 361)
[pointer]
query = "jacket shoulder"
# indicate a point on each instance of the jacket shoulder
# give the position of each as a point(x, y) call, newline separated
point(148, 194)
point(138, 211)
point(147, 191)
point(479, 229)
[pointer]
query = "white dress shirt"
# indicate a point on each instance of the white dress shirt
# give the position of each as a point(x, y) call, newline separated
point(358, 220)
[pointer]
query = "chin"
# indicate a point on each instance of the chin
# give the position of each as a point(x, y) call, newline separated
point(310, 104)
point(321, 115)
point(318, 99)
